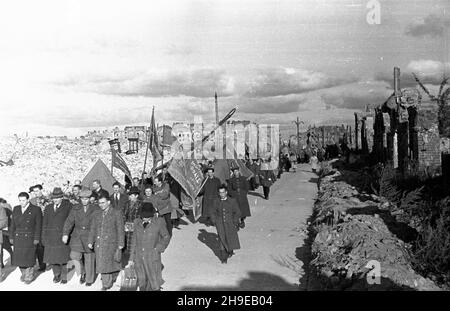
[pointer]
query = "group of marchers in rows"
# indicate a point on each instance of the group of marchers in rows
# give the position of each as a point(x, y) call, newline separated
point(103, 233)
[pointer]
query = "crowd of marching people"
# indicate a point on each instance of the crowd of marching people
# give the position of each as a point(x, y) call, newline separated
point(103, 233)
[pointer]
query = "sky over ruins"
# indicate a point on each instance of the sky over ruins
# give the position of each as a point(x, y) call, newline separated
point(72, 65)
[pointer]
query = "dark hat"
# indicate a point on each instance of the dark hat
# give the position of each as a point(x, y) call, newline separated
point(147, 210)
point(209, 168)
point(85, 193)
point(57, 193)
point(134, 190)
point(234, 167)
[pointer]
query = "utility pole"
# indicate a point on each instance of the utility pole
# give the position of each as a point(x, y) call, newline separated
point(216, 108)
point(298, 133)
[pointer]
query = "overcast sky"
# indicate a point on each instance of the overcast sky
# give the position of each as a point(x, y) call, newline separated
point(67, 66)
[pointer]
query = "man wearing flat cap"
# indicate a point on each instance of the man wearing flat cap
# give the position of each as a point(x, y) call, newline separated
point(209, 191)
point(106, 238)
point(56, 252)
point(150, 239)
point(77, 226)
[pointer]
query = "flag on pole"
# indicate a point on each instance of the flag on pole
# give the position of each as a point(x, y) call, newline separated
point(119, 162)
point(188, 173)
point(153, 141)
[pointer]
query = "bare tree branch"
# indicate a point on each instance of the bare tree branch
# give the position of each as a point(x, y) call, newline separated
point(441, 87)
point(432, 97)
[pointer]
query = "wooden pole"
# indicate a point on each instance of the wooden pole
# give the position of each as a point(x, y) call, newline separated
point(297, 123)
point(216, 108)
point(149, 143)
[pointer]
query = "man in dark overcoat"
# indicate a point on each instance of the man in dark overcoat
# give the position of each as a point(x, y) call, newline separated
point(25, 235)
point(56, 252)
point(107, 238)
point(209, 191)
point(150, 239)
point(42, 201)
point(77, 227)
point(226, 217)
point(238, 188)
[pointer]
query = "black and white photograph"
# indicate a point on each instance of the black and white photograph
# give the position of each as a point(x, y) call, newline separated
point(252, 146)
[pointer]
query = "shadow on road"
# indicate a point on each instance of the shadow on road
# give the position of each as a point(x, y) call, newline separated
point(211, 240)
point(256, 194)
point(255, 281)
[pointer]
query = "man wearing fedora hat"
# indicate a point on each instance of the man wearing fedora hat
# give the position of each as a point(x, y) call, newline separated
point(56, 252)
point(210, 194)
point(77, 226)
point(150, 239)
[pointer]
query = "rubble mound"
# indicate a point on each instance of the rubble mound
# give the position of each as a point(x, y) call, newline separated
point(351, 236)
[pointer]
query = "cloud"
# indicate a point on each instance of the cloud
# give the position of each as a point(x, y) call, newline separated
point(432, 25)
point(173, 49)
point(428, 71)
point(195, 82)
point(356, 95)
point(285, 81)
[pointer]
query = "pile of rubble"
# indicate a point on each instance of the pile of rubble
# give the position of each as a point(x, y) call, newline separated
point(353, 234)
point(52, 162)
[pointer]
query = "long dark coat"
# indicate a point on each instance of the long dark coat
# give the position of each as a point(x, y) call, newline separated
point(210, 193)
point(226, 217)
point(132, 211)
point(238, 189)
point(25, 229)
point(146, 248)
point(267, 178)
point(78, 225)
point(55, 251)
point(106, 235)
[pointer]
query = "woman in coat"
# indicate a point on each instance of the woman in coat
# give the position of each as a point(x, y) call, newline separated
point(107, 238)
point(56, 252)
point(226, 217)
point(150, 239)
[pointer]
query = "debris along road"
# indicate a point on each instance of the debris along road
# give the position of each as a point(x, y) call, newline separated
point(271, 244)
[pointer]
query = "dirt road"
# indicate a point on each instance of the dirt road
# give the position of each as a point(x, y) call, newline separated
point(270, 258)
